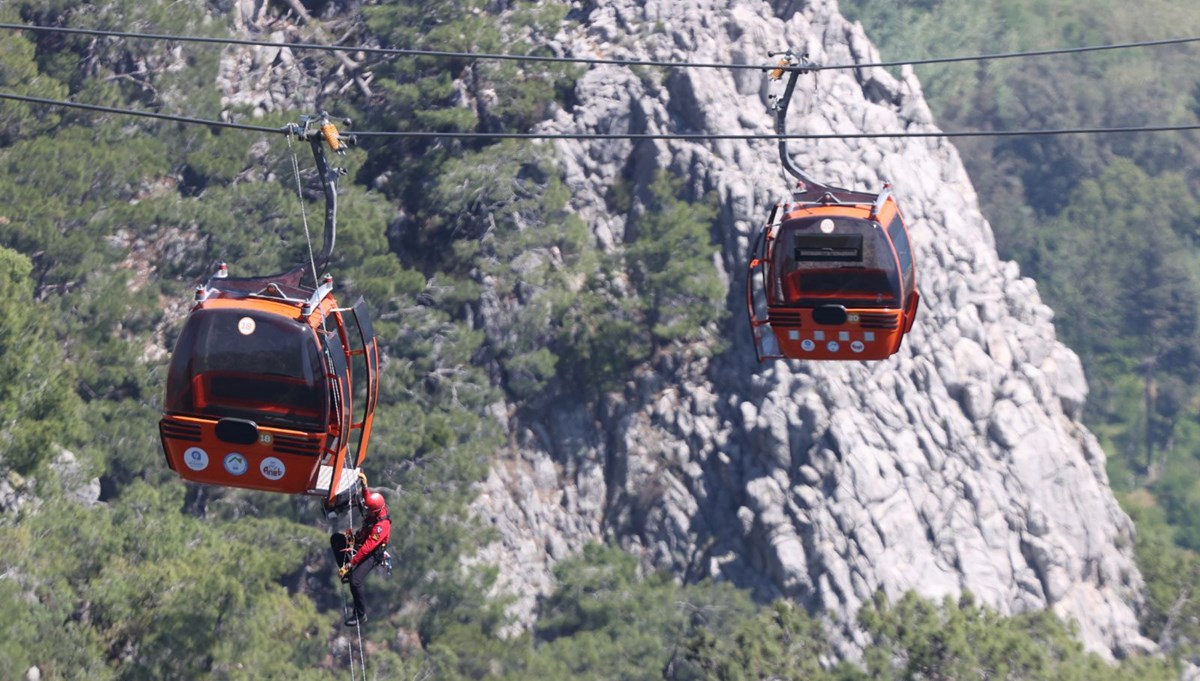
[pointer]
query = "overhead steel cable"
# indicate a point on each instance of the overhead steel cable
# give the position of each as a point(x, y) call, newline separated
point(1015, 55)
point(699, 136)
point(137, 112)
point(384, 51)
point(487, 56)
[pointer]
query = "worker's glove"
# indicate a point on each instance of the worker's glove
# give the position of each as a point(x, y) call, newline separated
point(362, 477)
point(344, 573)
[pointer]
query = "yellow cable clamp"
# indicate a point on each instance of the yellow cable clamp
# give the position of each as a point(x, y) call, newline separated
point(782, 67)
point(330, 131)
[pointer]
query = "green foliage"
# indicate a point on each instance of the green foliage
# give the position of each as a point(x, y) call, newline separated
point(676, 298)
point(918, 639)
point(420, 93)
point(19, 75)
point(140, 591)
point(109, 221)
point(779, 642)
point(608, 620)
point(671, 256)
point(119, 218)
point(604, 332)
point(132, 71)
point(605, 620)
point(1171, 616)
point(38, 410)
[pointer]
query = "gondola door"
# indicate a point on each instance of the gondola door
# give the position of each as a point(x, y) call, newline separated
point(364, 359)
point(758, 293)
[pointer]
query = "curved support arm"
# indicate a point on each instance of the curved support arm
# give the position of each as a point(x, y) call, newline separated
point(329, 184)
point(321, 132)
point(779, 104)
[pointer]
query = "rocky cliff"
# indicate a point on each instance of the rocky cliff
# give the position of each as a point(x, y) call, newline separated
point(959, 464)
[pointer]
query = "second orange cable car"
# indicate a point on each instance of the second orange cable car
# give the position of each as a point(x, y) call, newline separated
point(272, 386)
point(831, 274)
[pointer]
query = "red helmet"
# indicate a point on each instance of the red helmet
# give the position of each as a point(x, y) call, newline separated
point(375, 504)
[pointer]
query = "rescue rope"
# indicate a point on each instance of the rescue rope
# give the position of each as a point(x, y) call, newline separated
point(312, 260)
point(349, 642)
point(362, 656)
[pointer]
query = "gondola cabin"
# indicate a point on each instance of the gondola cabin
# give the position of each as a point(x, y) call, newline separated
point(261, 390)
point(832, 278)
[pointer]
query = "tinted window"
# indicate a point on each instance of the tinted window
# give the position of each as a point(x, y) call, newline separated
point(835, 260)
point(249, 365)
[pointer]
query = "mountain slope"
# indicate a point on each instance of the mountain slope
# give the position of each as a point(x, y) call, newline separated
point(960, 464)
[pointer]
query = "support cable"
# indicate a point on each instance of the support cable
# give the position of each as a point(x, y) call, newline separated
point(593, 61)
point(303, 212)
point(451, 134)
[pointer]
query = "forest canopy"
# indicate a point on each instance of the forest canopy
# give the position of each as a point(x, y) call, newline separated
point(107, 223)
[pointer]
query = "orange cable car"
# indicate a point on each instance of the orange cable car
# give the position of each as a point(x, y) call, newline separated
point(261, 391)
point(831, 275)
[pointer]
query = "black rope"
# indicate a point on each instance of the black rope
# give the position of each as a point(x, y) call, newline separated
point(485, 56)
point(144, 114)
point(767, 136)
point(1017, 55)
point(698, 136)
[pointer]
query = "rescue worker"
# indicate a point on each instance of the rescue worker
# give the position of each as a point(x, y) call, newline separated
point(359, 553)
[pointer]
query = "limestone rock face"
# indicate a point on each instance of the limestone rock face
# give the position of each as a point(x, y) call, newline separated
point(958, 464)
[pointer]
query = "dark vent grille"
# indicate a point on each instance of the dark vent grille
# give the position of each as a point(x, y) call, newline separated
point(174, 430)
point(302, 446)
point(878, 320)
point(785, 318)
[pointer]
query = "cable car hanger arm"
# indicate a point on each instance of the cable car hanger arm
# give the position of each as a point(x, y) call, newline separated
point(778, 103)
point(320, 132)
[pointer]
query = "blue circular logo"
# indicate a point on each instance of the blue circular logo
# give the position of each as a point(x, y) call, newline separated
point(195, 458)
point(235, 463)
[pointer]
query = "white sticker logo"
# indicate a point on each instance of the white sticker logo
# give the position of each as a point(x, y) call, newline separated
point(245, 326)
point(195, 458)
point(272, 468)
point(235, 463)
point(807, 345)
point(857, 346)
point(833, 346)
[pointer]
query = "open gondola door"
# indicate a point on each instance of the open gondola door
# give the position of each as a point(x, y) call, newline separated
point(831, 273)
point(366, 364)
